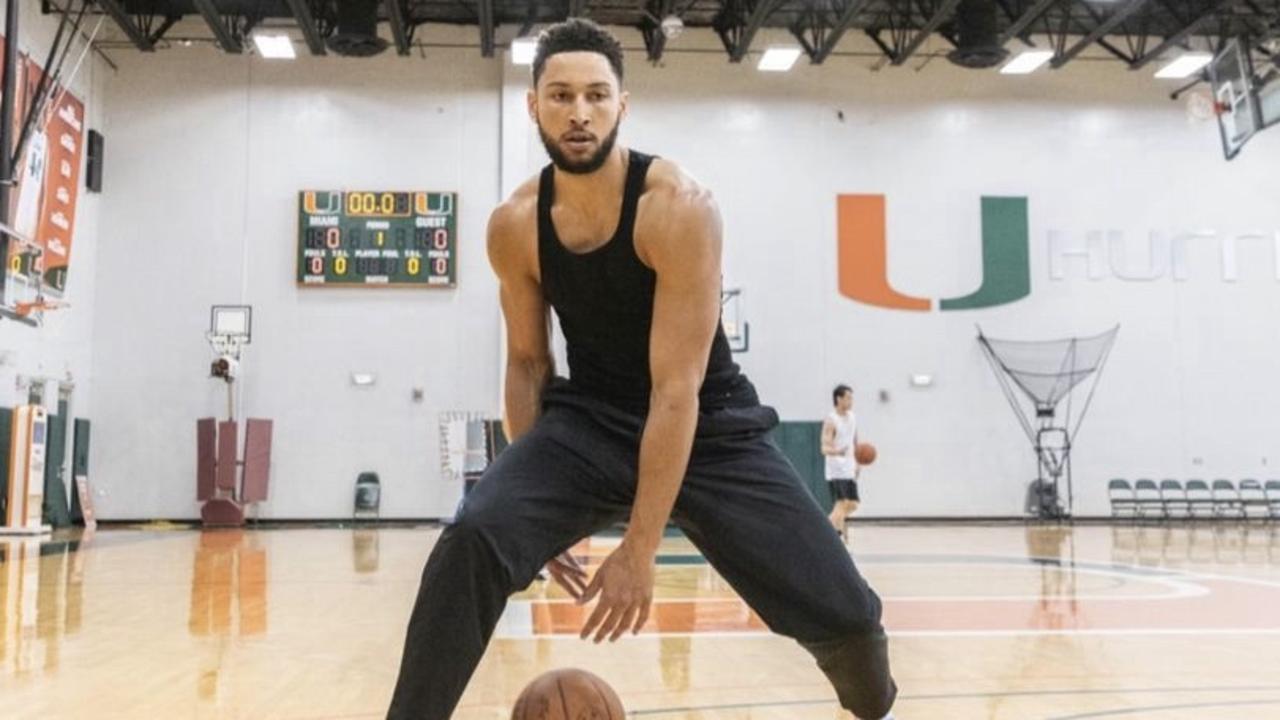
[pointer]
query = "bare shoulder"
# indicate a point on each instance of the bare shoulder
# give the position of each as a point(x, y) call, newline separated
point(677, 214)
point(512, 233)
point(669, 187)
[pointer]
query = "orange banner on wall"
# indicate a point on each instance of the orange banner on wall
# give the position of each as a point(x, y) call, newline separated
point(42, 203)
point(64, 137)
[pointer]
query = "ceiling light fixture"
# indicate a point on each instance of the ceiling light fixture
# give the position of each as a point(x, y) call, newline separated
point(1026, 62)
point(1185, 66)
point(523, 50)
point(276, 47)
point(778, 59)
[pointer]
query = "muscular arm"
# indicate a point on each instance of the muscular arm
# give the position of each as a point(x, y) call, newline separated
point(685, 254)
point(686, 312)
point(529, 361)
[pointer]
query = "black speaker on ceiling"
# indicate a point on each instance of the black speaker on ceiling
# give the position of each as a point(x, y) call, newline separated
point(977, 35)
point(93, 167)
point(357, 34)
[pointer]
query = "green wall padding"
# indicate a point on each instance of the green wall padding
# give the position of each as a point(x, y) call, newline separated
point(79, 466)
point(6, 437)
point(56, 511)
point(801, 442)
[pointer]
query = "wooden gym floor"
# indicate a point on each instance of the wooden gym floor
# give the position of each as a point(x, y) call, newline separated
point(997, 621)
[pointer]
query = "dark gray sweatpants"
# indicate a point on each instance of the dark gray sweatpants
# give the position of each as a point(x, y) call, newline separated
point(574, 474)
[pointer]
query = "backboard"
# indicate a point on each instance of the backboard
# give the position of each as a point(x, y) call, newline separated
point(1231, 74)
point(232, 320)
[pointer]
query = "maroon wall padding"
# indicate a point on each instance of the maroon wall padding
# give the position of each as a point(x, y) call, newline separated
point(206, 461)
point(222, 511)
point(227, 455)
point(257, 460)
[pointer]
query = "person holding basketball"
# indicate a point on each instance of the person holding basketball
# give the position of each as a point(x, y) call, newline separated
point(843, 455)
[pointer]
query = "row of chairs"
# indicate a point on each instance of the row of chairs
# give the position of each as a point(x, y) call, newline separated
point(1197, 499)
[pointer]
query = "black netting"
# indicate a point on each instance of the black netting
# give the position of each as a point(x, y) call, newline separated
point(1047, 370)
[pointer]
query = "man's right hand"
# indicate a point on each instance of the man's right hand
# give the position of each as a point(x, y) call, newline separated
point(568, 574)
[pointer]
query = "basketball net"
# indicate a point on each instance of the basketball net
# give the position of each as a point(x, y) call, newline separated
point(228, 345)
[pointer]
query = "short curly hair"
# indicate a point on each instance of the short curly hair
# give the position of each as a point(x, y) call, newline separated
point(576, 35)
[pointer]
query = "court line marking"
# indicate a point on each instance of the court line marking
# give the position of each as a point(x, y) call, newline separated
point(504, 633)
point(1204, 632)
point(1162, 708)
point(1161, 571)
point(1179, 588)
point(519, 624)
point(996, 695)
point(1175, 574)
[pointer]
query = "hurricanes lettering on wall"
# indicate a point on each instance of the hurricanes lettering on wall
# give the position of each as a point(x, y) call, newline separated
point(863, 253)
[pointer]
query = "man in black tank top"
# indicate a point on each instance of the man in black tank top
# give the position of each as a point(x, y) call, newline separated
point(654, 424)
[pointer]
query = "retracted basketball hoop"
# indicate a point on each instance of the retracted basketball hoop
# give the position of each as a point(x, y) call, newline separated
point(230, 329)
point(228, 486)
point(24, 299)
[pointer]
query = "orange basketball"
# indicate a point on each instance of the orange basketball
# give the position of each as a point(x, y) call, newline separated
point(865, 453)
point(568, 694)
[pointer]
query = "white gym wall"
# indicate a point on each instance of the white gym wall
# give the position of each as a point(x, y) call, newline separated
point(207, 153)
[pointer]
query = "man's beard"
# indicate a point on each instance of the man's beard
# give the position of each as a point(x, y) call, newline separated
point(583, 167)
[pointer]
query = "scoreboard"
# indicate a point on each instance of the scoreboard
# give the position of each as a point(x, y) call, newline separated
point(378, 239)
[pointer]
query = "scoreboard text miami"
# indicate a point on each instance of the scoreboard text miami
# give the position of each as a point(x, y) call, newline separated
point(388, 239)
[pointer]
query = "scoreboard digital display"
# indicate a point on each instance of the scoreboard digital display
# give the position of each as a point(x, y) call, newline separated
point(379, 239)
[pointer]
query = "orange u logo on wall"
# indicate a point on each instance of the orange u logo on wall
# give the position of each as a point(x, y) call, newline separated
point(863, 256)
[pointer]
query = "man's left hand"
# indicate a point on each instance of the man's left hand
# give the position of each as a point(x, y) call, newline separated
point(624, 585)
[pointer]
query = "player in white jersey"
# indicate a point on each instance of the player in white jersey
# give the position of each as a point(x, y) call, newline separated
point(839, 439)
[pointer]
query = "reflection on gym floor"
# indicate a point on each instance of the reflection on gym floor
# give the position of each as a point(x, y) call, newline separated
point(987, 621)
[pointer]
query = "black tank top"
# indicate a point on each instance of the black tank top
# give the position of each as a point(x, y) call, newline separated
point(604, 300)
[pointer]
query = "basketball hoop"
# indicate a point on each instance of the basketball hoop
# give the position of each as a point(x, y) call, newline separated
point(230, 329)
point(24, 309)
point(1201, 107)
point(24, 299)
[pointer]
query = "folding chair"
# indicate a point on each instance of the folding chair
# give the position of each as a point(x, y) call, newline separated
point(1120, 493)
point(1226, 500)
point(1253, 500)
point(1174, 499)
point(1272, 492)
point(1146, 495)
point(1199, 500)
